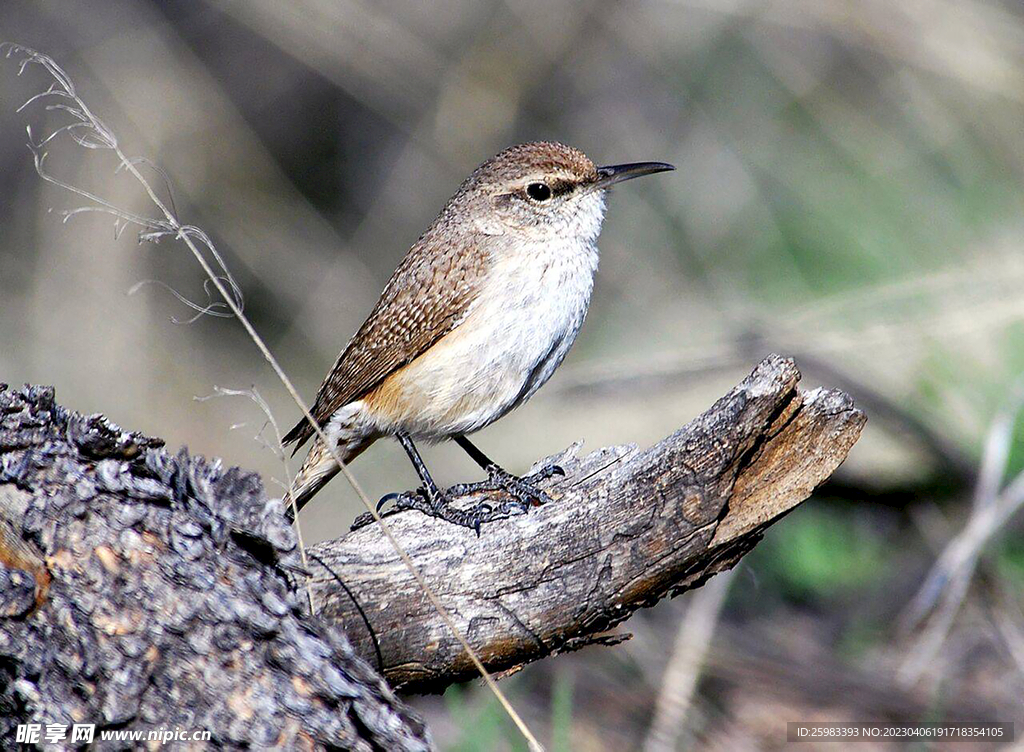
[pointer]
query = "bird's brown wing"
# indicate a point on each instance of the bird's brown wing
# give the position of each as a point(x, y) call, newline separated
point(425, 299)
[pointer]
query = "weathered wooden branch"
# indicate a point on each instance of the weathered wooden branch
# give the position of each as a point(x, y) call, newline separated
point(141, 589)
point(627, 528)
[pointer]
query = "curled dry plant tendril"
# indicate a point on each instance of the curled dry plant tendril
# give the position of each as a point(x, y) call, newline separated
point(214, 308)
point(90, 132)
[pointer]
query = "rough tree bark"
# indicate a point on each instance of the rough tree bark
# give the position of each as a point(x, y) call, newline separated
point(141, 589)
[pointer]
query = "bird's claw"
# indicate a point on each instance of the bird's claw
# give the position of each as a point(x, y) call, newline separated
point(385, 499)
point(436, 505)
point(524, 494)
point(523, 490)
point(548, 471)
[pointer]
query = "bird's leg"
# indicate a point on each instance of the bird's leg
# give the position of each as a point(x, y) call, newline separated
point(522, 490)
point(429, 499)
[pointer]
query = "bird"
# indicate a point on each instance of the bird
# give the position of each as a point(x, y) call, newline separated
point(474, 320)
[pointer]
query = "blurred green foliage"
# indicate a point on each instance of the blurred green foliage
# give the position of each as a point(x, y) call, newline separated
point(821, 552)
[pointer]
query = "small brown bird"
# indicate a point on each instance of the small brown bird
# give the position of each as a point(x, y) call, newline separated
point(475, 319)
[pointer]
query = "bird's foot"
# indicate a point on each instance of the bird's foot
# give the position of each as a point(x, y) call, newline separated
point(439, 504)
point(523, 491)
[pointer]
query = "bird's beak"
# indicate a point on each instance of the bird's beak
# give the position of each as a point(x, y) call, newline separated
point(611, 174)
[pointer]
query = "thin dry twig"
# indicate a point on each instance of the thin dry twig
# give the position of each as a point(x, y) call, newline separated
point(90, 132)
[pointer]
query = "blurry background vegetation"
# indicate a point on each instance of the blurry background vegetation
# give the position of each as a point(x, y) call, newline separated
point(848, 193)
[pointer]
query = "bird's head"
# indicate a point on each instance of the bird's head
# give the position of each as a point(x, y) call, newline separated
point(543, 190)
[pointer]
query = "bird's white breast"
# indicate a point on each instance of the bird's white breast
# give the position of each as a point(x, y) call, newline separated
point(520, 327)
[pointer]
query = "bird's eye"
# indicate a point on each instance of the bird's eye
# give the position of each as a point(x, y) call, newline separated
point(538, 191)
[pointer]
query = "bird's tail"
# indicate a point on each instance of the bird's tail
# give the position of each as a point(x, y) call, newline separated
point(319, 467)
